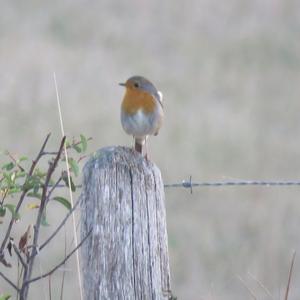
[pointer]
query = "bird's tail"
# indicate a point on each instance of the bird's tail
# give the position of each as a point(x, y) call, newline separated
point(138, 144)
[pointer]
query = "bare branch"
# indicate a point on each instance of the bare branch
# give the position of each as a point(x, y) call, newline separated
point(53, 187)
point(67, 147)
point(44, 195)
point(4, 261)
point(78, 186)
point(19, 256)
point(9, 281)
point(61, 263)
point(34, 163)
point(31, 258)
point(60, 225)
point(50, 153)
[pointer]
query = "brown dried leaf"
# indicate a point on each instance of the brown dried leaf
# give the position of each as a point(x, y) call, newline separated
point(24, 239)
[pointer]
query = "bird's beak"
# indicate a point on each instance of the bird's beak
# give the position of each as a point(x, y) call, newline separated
point(122, 84)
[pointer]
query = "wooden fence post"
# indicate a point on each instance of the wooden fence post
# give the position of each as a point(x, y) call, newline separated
point(126, 256)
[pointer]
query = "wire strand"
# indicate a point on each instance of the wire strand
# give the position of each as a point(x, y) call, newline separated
point(189, 184)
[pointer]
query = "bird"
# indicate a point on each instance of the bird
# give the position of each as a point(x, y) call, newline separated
point(141, 111)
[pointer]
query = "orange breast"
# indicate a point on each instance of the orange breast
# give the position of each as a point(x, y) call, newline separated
point(135, 100)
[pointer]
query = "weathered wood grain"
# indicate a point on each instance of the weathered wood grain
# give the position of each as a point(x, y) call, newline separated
point(126, 256)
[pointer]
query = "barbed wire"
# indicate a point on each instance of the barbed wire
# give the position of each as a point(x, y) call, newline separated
point(189, 184)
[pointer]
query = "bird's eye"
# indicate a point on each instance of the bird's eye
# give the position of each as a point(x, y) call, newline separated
point(136, 84)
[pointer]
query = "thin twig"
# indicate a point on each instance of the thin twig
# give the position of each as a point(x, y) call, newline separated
point(64, 270)
point(50, 153)
point(63, 186)
point(19, 256)
point(49, 287)
point(18, 279)
point(53, 187)
point(31, 259)
point(248, 289)
point(9, 281)
point(43, 282)
point(60, 225)
point(290, 276)
point(15, 161)
point(20, 273)
point(33, 165)
point(77, 226)
point(44, 193)
point(61, 263)
point(67, 146)
point(261, 285)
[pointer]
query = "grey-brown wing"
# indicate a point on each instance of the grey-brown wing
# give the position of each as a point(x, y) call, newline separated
point(159, 97)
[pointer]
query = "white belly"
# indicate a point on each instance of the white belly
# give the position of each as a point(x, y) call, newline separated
point(138, 124)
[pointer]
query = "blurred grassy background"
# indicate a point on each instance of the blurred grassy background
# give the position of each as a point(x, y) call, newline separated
point(230, 76)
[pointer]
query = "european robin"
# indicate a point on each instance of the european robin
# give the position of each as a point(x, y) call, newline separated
point(141, 110)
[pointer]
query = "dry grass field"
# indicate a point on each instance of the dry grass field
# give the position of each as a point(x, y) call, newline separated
point(230, 74)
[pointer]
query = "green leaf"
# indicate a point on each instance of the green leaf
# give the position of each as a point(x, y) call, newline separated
point(14, 190)
point(66, 181)
point(29, 183)
point(6, 177)
point(5, 297)
point(73, 166)
point(64, 176)
point(36, 187)
point(63, 201)
point(44, 221)
point(12, 209)
point(13, 176)
point(77, 148)
point(39, 174)
point(22, 158)
point(20, 174)
point(73, 187)
point(9, 166)
point(2, 211)
point(83, 141)
point(35, 195)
